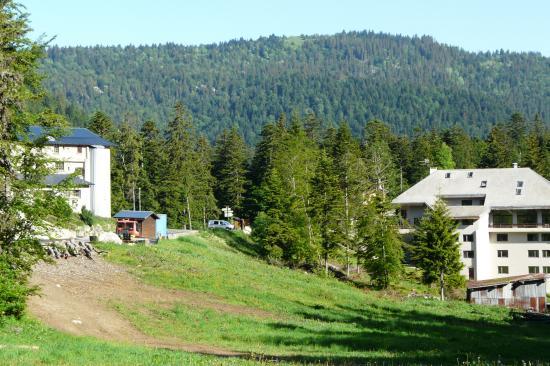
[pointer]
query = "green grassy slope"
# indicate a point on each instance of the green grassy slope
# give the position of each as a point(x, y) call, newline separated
point(19, 339)
point(306, 318)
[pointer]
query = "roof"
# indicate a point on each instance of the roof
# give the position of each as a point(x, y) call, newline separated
point(499, 191)
point(77, 136)
point(140, 215)
point(506, 280)
point(55, 179)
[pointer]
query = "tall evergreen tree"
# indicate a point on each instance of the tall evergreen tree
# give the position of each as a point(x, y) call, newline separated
point(326, 207)
point(102, 124)
point(436, 249)
point(153, 166)
point(229, 169)
point(381, 246)
point(177, 194)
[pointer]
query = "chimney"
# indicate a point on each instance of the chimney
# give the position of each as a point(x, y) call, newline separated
point(515, 165)
point(433, 170)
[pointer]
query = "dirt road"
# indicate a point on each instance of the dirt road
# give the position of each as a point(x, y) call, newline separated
point(75, 294)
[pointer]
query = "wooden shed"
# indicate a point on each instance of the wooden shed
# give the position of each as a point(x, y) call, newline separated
point(137, 224)
point(524, 292)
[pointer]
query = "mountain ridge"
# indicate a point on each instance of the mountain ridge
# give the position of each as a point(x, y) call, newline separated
point(409, 82)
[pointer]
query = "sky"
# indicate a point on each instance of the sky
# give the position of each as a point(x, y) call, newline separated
point(475, 25)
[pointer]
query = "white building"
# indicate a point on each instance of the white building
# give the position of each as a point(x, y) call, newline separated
point(503, 215)
point(87, 157)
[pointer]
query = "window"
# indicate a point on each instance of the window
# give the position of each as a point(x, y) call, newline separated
point(483, 184)
point(56, 149)
point(466, 202)
point(546, 269)
point(59, 165)
point(76, 193)
point(545, 237)
point(404, 213)
point(546, 253)
point(518, 191)
point(527, 218)
point(447, 175)
point(471, 273)
point(468, 237)
point(503, 270)
point(470, 174)
point(520, 184)
point(467, 222)
point(533, 253)
point(502, 253)
point(482, 201)
point(502, 218)
point(468, 254)
point(502, 237)
point(532, 237)
point(79, 149)
point(534, 269)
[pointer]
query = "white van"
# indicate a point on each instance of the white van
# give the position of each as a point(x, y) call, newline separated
point(220, 224)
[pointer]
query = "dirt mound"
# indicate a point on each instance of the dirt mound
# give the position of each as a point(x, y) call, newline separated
point(75, 293)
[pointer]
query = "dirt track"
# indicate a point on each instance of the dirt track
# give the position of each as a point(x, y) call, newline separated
point(75, 293)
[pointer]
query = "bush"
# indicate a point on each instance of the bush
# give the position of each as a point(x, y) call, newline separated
point(13, 291)
point(86, 216)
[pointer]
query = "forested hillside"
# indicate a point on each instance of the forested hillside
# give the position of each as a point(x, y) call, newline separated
point(406, 82)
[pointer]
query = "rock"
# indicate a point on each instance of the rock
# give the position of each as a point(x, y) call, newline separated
point(76, 321)
point(109, 238)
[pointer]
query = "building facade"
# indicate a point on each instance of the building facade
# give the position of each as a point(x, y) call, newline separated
point(85, 158)
point(503, 216)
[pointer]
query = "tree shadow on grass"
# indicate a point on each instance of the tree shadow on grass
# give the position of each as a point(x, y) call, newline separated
point(378, 334)
point(239, 241)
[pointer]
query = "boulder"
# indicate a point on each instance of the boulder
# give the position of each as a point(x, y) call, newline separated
point(109, 237)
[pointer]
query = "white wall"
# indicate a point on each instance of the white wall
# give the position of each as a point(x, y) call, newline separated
point(100, 167)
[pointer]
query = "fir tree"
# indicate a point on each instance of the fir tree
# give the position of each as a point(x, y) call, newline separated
point(229, 169)
point(381, 246)
point(102, 124)
point(436, 247)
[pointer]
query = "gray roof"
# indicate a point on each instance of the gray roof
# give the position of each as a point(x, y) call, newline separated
point(55, 179)
point(499, 192)
point(141, 215)
point(76, 137)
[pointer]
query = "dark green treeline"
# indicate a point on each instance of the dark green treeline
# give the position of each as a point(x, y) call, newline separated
point(311, 192)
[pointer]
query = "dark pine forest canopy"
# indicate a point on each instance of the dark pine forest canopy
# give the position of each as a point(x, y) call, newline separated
point(407, 82)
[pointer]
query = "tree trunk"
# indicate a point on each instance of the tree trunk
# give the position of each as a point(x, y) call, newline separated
point(189, 214)
point(441, 286)
point(326, 264)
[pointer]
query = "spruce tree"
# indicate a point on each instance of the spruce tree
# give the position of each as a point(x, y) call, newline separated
point(102, 124)
point(229, 169)
point(436, 250)
point(381, 249)
point(153, 166)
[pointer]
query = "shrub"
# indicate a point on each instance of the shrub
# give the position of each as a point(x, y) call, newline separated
point(86, 216)
point(13, 291)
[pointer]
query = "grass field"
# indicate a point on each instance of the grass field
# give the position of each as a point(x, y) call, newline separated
point(307, 318)
point(282, 315)
point(26, 342)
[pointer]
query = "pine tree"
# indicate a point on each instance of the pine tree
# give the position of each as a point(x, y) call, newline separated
point(229, 169)
point(382, 175)
point(381, 247)
point(177, 191)
point(500, 151)
point(436, 249)
point(153, 166)
point(325, 207)
point(127, 168)
point(102, 124)
point(203, 189)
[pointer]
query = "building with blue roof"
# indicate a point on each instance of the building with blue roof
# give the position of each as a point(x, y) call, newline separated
point(84, 158)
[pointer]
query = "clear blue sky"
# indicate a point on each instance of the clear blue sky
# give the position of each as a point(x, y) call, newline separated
point(517, 25)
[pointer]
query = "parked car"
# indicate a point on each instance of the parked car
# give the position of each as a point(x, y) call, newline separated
point(220, 224)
